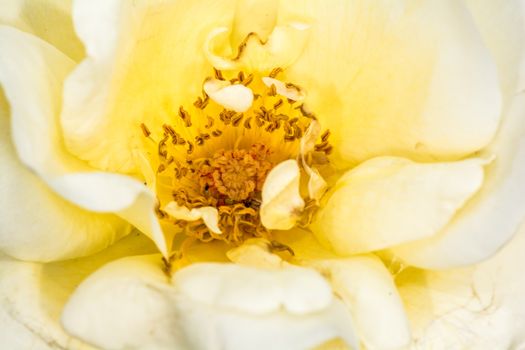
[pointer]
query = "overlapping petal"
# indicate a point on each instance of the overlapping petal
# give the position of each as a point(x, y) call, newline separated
point(204, 306)
point(493, 216)
point(388, 78)
point(387, 201)
point(32, 73)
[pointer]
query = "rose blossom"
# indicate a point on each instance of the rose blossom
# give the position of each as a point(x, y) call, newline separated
point(290, 161)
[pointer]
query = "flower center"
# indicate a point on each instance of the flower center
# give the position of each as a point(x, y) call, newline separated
point(212, 161)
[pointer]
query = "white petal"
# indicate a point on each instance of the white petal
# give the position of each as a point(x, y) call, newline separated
point(479, 307)
point(367, 287)
point(49, 20)
point(317, 186)
point(387, 201)
point(32, 295)
point(236, 97)
point(257, 291)
point(131, 303)
point(281, 201)
point(493, 216)
point(209, 215)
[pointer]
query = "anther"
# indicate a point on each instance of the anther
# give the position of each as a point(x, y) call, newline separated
point(145, 130)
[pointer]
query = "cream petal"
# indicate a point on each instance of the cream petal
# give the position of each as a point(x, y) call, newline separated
point(387, 201)
point(34, 93)
point(284, 45)
point(366, 286)
point(236, 97)
point(209, 215)
point(140, 68)
point(33, 295)
point(291, 92)
point(254, 16)
point(501, 26)
point(281, 201)
point(387, 78)
point(49, 20)
point(130, 303)
point(491, 217)
point(477, 307)
point(37, 224)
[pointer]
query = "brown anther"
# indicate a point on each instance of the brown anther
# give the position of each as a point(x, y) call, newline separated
point(278, 104)
point(325, 135)
point(190, 148)
point(161, 168)
point(145, 130)
point(237, 119)
point(247, 80)
point(275, 72)
point(185, 116)
point(272, 91)
point(218, 74)
point(216, 133)
point(247, 123)
point(210, 122)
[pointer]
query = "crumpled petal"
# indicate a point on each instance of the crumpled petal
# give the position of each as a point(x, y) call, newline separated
point(131, 303)
point(236, 97)
point(366, 286)
point(387, 201)
point(388, 78)
point(209, 215)
point(281, 200)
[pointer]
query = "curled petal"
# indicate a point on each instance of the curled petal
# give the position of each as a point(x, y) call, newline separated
point(281, 201)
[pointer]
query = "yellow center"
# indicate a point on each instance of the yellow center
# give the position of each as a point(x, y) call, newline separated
point(210, 156)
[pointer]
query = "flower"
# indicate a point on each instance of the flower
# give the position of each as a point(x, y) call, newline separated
point(237, 136)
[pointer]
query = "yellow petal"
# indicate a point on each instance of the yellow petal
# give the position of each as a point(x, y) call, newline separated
point(282, 48)
point(387, 201)
point(281, 201)
point(49, 20)
point(141, 73)
point(388, 78)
